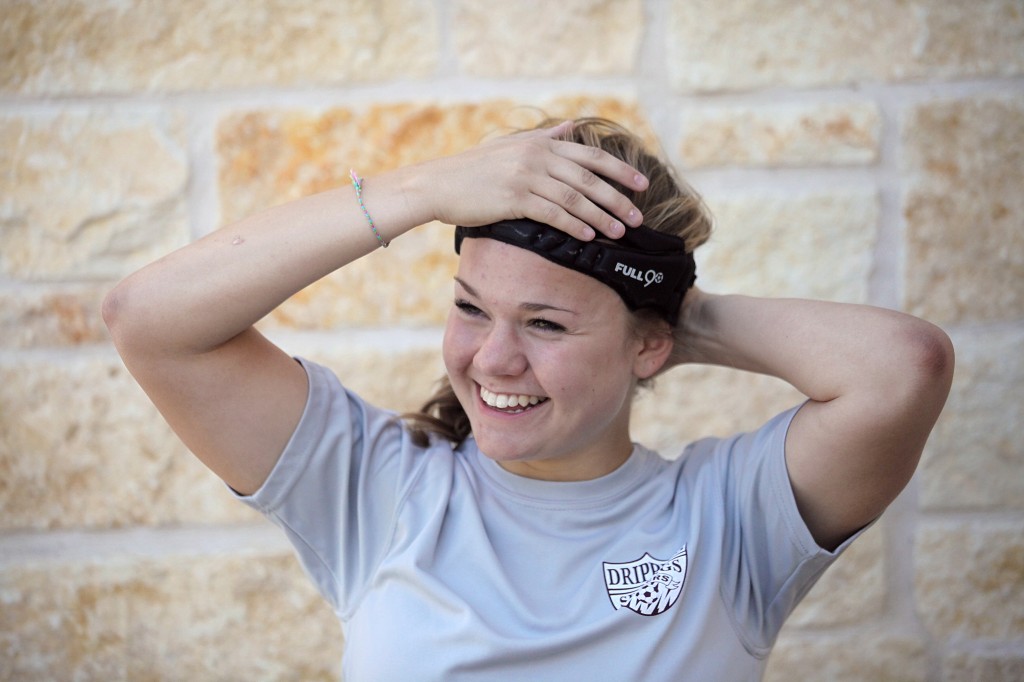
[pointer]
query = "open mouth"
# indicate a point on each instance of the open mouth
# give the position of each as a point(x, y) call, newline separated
point(511, 403)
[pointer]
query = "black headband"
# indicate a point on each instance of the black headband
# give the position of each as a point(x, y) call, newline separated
point(648, 269)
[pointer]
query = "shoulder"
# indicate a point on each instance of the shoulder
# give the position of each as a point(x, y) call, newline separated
point(331, 407)
point(764, 440)
point(342, 436)
point(737, 467)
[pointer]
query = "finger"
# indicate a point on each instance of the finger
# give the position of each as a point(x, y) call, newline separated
point(550, 213)
point(602, 163)
point(559, 130)
point(607, 198)
point(578, 206)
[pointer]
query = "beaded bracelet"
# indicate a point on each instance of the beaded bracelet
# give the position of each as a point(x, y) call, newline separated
point(358, 184)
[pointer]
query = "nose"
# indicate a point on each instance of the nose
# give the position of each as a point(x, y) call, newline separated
point(500, 353)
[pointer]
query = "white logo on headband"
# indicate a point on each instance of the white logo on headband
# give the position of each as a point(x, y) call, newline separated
point(649, 277)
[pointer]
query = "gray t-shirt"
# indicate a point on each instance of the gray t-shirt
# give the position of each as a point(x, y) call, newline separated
point(441, 565)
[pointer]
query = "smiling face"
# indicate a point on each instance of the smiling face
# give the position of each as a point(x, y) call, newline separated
point(544, 361)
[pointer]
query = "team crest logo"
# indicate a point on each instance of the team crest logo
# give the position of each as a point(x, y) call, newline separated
point(646, 585)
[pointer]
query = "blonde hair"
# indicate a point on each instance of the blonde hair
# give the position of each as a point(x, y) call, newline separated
point(668, 205)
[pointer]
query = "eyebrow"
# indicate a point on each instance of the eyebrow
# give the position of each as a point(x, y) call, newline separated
point(532, 307)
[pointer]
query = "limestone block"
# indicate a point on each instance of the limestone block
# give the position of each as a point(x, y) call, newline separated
point(781, 135)
point(383, 371)
point(687, 403)
point(812, 246)
point(969, 666)
point(969, 578)
point(964, 167)
point(82, 46)
point(851, 590)
point(269, 157)
point(89, 195)
point(744, 44)
point(534, 38)
point(52, 316)
point(975, 455)
point(81, 446)
point(410, 283)
point(250, 616)
point(872, 657)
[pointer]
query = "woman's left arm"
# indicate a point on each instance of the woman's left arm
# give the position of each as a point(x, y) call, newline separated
point(877, 380)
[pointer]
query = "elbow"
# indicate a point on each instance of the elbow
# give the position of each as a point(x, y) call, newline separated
point(932, 354)
point(927, 367)
point(111, 308)
point(117, 316)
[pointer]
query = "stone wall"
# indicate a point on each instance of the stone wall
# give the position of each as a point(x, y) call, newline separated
point(852, 150)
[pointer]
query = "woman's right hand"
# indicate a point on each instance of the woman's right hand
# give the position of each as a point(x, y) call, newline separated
point(535, 175)
point(183, 324)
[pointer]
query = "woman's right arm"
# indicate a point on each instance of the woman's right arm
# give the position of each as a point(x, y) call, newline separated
point(184, 324)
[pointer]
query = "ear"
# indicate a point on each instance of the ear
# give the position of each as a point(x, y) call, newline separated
point(656, 346)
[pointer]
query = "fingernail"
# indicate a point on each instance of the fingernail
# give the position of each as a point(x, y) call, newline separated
point(639, 181)
point(588, 234)
point(616, 229)
point(634, 217)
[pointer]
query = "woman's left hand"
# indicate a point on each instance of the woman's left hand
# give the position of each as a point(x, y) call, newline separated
point(876, 380)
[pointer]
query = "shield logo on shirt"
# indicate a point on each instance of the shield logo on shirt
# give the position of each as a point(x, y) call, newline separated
point(647, 586)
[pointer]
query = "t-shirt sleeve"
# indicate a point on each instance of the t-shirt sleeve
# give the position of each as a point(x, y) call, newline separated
point(770, 558)
point(337, 486)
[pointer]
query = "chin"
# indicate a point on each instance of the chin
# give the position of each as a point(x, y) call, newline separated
point(502, 451)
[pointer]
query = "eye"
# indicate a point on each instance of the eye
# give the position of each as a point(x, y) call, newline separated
point(467, 308)
point(546, 325)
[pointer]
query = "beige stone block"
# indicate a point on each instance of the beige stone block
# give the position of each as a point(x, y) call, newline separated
point(270, 156)
point(851, 590)
point(250, 616)
point(399, 379)
point(410, 284)
point(975, 455)
point(781, 135)
point(687, 403)
point(969, 666)
point(535, 38)
point(82, 46)
point(273, 156)
point(743, 44)
point(964, 167)
point(53, 316)
point(809, 246)
point(878, 656)
point(89, 195)
point(969, 579)
point(81, 446)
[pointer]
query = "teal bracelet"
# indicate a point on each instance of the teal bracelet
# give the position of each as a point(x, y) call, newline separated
point(358, 184)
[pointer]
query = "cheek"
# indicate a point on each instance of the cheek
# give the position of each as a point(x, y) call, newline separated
point(604, 375)
point(457, 346)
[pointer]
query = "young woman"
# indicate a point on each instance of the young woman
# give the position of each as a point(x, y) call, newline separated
point(513, 530)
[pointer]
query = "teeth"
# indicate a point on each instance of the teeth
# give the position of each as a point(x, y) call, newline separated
point(505, 400)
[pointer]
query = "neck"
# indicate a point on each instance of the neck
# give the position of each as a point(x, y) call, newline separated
point(583, 467)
